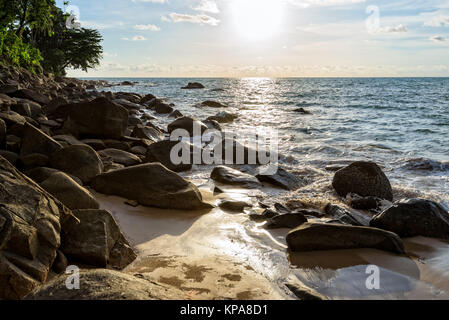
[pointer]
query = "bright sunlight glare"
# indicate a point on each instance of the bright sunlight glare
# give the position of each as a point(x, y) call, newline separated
point(257, 19)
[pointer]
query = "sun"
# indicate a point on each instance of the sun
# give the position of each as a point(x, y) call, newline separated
point(257, 19)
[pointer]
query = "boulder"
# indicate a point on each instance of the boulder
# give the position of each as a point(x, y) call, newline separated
point(414, 217)
point(100, 118)
point(147, 98)
point(11, 118)
point(163, 108)
point(151, 185)
point(176, 114)
point(287, 221)
point(120, 157)
point(302, 111)
point(80, 161)
point(2, 133)
point(31, 161)
point(148, 133)
point(341, 214)
point(317, 236)
point(161, 152)
point(102, 284)
point(266, 215)
point(234, 206)
point(366, 203)
point(54, 104)
point(36, 141)
point(67, 140)
point(191, 125)
point(234, 177)
point(12, 157)
point(282, 178)
point(223, 117)
point(95, 144)
point(363, 178)
point(213, 104)
point(31, 95)
point(96, 240)
point(69, 192)
point(194, 85)
point(30, 224)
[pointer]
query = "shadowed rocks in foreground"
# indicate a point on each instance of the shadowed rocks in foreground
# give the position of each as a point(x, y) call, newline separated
point(151, 185)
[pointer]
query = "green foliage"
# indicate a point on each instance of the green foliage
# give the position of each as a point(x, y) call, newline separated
point(14, 51)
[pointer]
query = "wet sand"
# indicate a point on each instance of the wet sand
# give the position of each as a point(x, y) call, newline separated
point(220, 255)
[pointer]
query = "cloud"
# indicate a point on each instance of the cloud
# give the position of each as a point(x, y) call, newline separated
point(439, 39)
point(207, 6)
point(398, 29)
point(135, 38)
point(149, 27)
point(199, 19)
point(152, 1)
point(437, 21)
point(323, 3)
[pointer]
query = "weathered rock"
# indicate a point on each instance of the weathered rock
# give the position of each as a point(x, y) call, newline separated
point(60, 264)
point(213, 125)
point(96, 240)
point(151, 185)
point(317, 236)
point(231, 176)
point(266, 215)
point(32, 160)
point(366, 203)
point(138, 150)
point(191, 125)
point(67, 140)
point(30, 222)
point(146, 132)
point(223, 117)
point(31, 95)
point(147, 98)
point(363, 178)
point(339, 213)
point(302, 111)
point(194, 85)
point(69, 192)
point(127, 104)
point(282, 178)
point(11, 118)
point(104, 284)
point(120, 157)
point(161, 152)
point(414, 217)
point(96, 144)
point(12, 157)
point(100, 118)
point(39, 175)
point(36, 141)
point(290, 221)
point(2, 133)
point(80, 161)
point(163, 108)
point(54, 104)
point(234, 206)
point(213, 104)
point(176, 114)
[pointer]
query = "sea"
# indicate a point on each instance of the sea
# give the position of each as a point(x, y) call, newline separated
point(402, 124)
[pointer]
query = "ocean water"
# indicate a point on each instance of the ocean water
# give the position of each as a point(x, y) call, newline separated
point(400, 123)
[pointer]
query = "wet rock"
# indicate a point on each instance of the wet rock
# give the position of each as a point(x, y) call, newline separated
point(191, 125)
point(234, 206)
point(120, 157)
point(151, 185)
point(148, 133)
point(366, 203)
point(341, 214)
point(290, 221)
point(147, 98)
point(69, 192)
point(100, 118)
point(213, 104)
point(234, 177)
point(80, 161)
point(96, 240)
point(267, 214)
point(305, 294)
point(316, 237)
point(127, 104)
point(282, 178)
point(30, 221)
point(60, 264)
point(223, 117)
point(213, 125)
point(163, 108)
point(194, 85)
point(138, 150)
point(240, 154)
point(363, 178)
point(281, 208)
point(176, 114)
point(414, 217)
point(36, 141)
point(302, 111)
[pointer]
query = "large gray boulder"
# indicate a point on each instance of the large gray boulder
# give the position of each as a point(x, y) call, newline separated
point(151, 185)
point(120, 157)
point(80, 161)
point(70, 193)
point(161, 152)
point(96, 240)
point(283, 179)
point(102, 284)
point(234, 177)
point(100, 118)
point(363, 178)
point(36, 141)
point(317, 236)
point(414, 217)
point(30, 225)
point(188, 124)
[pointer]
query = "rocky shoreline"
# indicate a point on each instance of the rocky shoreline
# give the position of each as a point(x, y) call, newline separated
point(62, 142)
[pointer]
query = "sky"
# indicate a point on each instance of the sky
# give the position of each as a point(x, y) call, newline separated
point(267, 38)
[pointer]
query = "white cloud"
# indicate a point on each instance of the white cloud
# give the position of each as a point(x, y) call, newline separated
point(439, 39)
point(149, 27)
point(207, 6)
point(400, 28)
point(199, 19)
point(314, 3)
point(152, 1)
point(135, 38)
point(437, 21)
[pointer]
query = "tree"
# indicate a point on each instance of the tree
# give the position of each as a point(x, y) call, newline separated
point(69, 48)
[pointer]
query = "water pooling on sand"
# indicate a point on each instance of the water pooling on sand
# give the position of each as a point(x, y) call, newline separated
point(401, 124)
